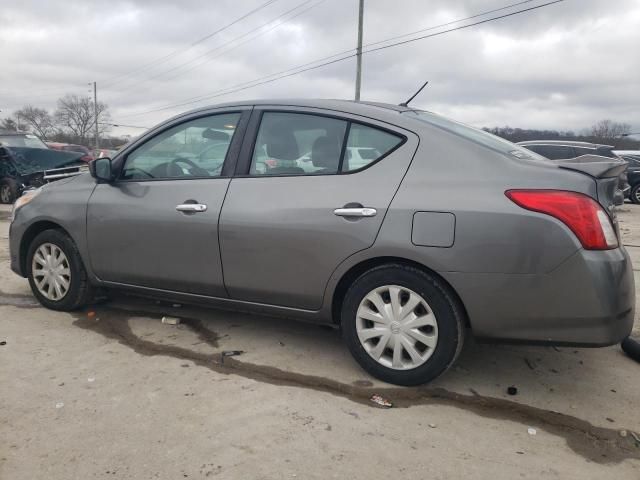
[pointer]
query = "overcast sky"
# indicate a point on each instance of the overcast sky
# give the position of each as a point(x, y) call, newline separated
point(564, 66)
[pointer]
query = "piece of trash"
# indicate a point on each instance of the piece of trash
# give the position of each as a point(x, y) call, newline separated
point(531, 431)
point(512, 390)
point(59, 405)
point(170, 320)
point(609, 419)
point(230, 353)
point(2, 343)
point(379, 400)
point(91, 314)
point(623, 433)
point(61, 384)
point(520, 453)
point(91, 379)
point(432, 425)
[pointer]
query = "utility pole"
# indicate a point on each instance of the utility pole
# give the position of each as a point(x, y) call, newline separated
point(95, 113)
point(359, 51)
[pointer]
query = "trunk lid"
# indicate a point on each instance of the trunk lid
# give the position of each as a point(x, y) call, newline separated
point(608, 173)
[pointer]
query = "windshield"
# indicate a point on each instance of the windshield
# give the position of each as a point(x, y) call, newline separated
point(21, 141)
point(32, 160)
point(475, 135)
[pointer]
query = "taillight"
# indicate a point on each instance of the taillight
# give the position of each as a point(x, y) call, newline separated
point(581, 213)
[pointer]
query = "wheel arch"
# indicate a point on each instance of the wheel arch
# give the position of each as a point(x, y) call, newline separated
point(31, 233)
point(358, 269)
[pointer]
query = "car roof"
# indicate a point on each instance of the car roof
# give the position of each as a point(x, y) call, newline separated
point(376, 110)
point(566, 143)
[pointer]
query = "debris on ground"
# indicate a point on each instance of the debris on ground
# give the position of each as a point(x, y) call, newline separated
point(171, 320)
point(59, 404)
point(381, 401)
point(91, 379)
point(91, 314)
point(512, 390)
point(432, 425)
point(632, 348)
point(230, 353)
point(2, 343)
point(531, 431)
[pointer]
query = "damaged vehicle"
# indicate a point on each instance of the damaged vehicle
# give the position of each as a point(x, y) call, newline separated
point(380, 245)
point(25, 163)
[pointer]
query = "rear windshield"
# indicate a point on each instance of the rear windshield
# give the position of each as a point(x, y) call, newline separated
point(475, 135)
point(32, 160)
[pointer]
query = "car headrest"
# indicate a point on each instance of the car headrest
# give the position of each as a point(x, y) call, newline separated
point(282, 146)
point(325, 153)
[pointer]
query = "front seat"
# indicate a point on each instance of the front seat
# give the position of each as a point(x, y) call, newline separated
point(325, 154)
point(282, 145)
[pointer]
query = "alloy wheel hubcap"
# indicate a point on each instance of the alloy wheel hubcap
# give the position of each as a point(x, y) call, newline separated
point(51, 271)
point(396, 327)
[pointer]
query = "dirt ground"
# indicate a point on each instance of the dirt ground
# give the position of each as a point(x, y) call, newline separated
point(113, 393)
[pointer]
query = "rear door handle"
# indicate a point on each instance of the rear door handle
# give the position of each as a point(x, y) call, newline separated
point(191, 207)
point(355, 212)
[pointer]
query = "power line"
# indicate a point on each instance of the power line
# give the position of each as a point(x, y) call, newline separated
point(267, 79)
point(207, 53)
point(164, 58)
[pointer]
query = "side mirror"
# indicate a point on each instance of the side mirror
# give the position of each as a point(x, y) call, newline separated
point(100, 169)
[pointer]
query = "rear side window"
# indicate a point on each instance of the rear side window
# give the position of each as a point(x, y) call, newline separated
point(297, 144)
point(584, 151)
point(305, 144)
point(606, 152)
point(366, 145)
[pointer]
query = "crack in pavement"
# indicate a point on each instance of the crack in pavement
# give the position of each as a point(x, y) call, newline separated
point(598, 444)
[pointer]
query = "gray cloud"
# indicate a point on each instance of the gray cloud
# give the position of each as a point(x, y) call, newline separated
point(565, 66)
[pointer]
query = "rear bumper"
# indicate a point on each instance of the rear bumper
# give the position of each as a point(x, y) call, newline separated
point(589, 300)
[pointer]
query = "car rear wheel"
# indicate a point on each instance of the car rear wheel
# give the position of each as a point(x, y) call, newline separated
point(56, 273)
point(402, 325)
point(634, 195)
point(8, 191)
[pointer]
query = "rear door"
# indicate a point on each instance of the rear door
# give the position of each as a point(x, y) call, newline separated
point(297, 208)
point(156, 226)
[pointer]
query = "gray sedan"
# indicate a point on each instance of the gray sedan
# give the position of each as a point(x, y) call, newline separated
point(213, 207)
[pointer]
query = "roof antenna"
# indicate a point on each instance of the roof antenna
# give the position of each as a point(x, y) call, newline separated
point(406, 104)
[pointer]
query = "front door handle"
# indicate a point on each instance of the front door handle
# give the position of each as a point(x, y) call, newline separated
point(355, 212)
point(191, 207)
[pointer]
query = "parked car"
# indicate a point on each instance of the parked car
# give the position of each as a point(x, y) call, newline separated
point(384, 250)
point(632, 157)
point(71, 147)
point(22, 168)
point(563, 150)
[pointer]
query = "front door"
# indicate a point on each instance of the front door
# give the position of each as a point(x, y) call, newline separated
point(156, 226)
point(306, 201)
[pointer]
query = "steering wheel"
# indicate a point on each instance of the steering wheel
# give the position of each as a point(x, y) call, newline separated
point(195, 169)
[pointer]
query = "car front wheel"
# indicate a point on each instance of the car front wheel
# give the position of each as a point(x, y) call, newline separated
point(634, 195)
point(56, 273)
point(402, 325)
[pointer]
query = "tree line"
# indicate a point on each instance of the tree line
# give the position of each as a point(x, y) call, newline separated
point(605, 132)
point(73, 121)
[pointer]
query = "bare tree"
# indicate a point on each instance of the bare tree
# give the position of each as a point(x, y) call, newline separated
point(9, 124)
point(76, 115)
point(38, 119)
point(609, 130)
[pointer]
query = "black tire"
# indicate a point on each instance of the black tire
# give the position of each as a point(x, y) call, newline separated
point(79, 293)
point(448, 312)
point(634, 194)
point(8, 190)
point(632, 348)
